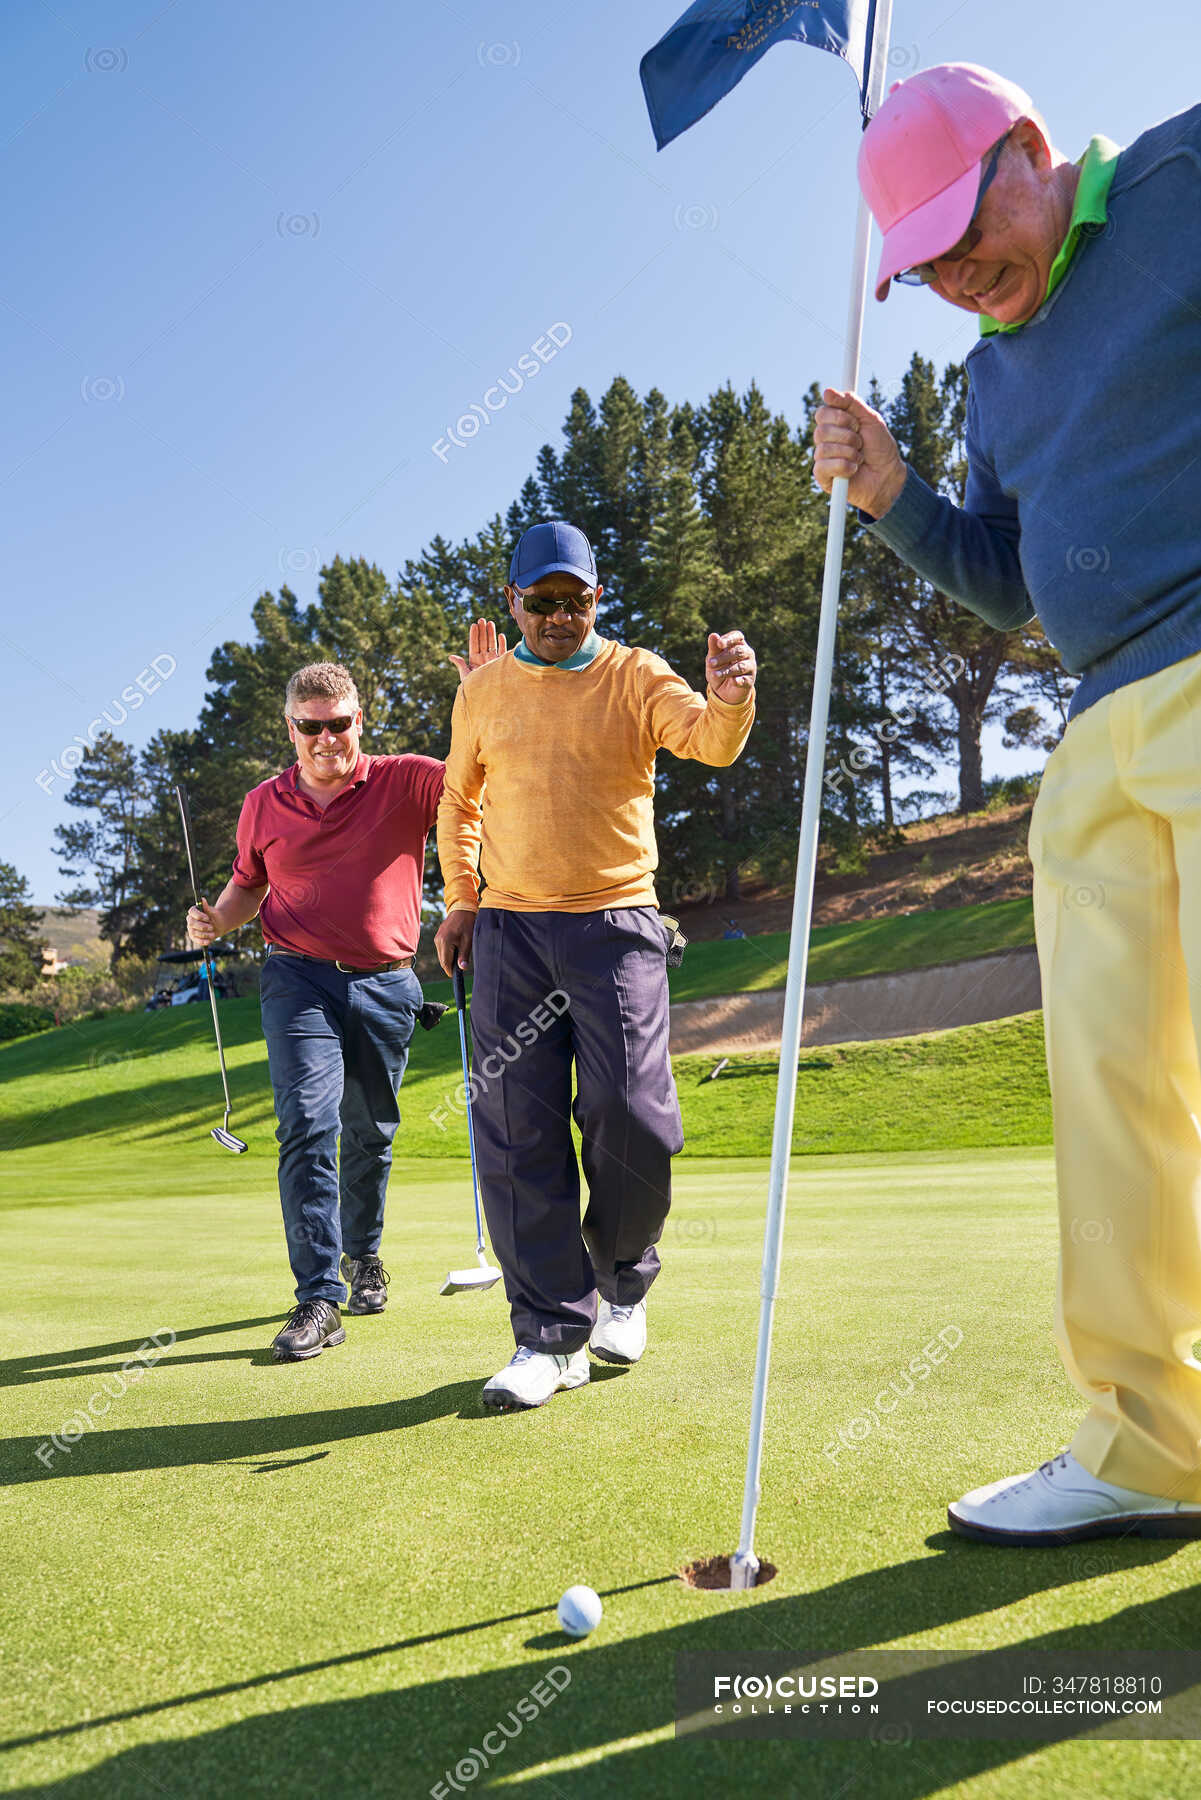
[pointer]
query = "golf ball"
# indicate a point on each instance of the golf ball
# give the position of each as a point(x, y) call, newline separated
point(580, 1611)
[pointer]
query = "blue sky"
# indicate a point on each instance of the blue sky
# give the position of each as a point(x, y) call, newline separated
point(261, 257)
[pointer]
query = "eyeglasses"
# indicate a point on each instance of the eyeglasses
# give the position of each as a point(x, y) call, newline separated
point(314, 727)
point(923, 274)
point(546, 605)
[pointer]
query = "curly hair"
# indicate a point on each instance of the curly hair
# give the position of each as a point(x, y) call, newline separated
point(321, 681)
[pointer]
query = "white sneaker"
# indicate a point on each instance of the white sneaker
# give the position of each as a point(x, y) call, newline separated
point(619, 1335)
point(532, 1377)
point(1061, 1502)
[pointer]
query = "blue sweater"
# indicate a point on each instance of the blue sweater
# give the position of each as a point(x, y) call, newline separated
point(1083, 497)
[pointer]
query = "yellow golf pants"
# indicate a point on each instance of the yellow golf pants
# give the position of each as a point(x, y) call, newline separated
point(1115, 840)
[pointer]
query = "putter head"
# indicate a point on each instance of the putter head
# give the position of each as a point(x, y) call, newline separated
point(228, 1141)
point(470, 1281)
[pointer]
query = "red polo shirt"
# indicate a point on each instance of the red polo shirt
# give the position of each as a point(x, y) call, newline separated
point(345, 880)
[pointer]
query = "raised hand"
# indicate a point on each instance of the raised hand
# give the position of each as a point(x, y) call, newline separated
point(484, 645)
point(730, 667)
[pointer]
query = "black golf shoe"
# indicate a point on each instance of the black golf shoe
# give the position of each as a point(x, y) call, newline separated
point(308, 1329)
point(368, 1280)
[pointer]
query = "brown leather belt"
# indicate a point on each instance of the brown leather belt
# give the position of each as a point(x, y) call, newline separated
point(402, 962)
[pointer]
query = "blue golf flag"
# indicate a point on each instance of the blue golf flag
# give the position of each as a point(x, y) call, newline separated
point(710, 48)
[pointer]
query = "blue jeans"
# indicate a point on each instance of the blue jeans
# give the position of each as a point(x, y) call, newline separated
point(337, 1046)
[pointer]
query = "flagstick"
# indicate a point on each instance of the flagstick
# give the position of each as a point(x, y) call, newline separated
point(744, 1564)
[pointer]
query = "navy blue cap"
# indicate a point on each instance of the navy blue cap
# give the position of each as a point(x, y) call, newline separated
point(554, 548)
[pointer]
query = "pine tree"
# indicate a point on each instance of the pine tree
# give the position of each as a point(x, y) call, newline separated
point(943, 642)
point(21, 943)
point(608, 480)
point(171, 759)
point(889, 726)
point(761, 517)
point(101, 853)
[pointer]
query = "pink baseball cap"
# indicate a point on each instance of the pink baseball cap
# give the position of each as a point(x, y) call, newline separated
point(920, 158)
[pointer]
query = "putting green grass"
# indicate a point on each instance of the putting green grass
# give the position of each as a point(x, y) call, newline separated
point(150, 1080)
point(335, 1577)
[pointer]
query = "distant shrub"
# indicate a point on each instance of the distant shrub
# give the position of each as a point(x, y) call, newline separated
point(86, 991)
point(18, 1018)
point(1007, 790)
point(885, 837)
point(90, 990)
point(849, 859)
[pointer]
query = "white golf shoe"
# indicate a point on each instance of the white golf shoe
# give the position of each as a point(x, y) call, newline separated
point(619, 1335)
point(532, 1377)
point(1061, 1503)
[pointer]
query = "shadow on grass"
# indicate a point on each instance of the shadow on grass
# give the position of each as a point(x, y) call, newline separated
point(272, 1468)
point(404, 1740)
point(117, 1452)
point(51, 1364)
point(258, 1356)
point(154, 1109)
point(739, 1071)
point(557, 1639)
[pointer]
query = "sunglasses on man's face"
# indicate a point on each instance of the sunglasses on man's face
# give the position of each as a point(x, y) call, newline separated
point(314, 727)
point(546, 605)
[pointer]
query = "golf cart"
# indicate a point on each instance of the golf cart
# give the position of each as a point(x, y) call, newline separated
point(176, 986)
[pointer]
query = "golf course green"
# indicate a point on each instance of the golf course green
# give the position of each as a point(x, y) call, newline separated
point(148, 1080)
point(247, 1578)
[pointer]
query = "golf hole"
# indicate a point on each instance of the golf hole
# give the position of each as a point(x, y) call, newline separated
point(714, 1572)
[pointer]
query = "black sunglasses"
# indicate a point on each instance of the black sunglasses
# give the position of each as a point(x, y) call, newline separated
point(314, 727)
point(546, 605)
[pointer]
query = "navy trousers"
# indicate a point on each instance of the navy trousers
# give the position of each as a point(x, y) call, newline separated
point(337, 1046)
point(550, 990)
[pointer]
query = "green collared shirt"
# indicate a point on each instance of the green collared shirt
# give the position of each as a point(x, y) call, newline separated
point(1097, 167)
point(579, 659)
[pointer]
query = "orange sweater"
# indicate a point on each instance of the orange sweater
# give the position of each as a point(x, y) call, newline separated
point(550, 780)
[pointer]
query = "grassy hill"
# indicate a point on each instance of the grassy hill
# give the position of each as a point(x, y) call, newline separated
point(839, 952)
point(948, 861)
point(74, 931)
point(854, 947)
point(149, 1081)
point(152, 1079)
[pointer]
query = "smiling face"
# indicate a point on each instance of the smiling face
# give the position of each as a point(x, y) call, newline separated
point(328, 759)
point(1022, 222)
point(555, 636)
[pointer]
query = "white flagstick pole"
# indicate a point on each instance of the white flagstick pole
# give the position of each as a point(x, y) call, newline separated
point(744, 1564)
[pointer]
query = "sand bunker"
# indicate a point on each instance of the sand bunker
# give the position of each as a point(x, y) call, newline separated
point(875, 1006)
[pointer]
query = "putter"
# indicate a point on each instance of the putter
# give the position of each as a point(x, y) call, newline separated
point(469, 1281)
point(222, 1133)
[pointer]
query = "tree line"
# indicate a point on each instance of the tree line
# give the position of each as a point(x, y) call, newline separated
point(703, 518)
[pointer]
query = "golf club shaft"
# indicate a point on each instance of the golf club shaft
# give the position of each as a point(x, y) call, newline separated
point(460, 990)
point(186, 820)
